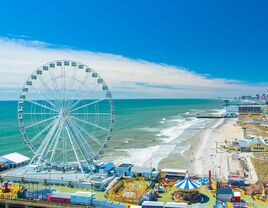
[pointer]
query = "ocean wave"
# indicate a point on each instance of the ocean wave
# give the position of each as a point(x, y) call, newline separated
point(145, 157)
point(148, 129)
point(169, 132)
point(219, 111)
point(177, 127)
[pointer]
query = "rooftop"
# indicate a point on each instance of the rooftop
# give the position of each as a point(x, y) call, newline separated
point(85, 194)
point(138, 169)
point(16, 157)
point(236, 194)
point(155, 203)
point(175, 204)
point(250, 105)
point(61, 194)
point(224, 191)
point(125, 165)
point(105, 165)
point(251, 140)
point(174, 170)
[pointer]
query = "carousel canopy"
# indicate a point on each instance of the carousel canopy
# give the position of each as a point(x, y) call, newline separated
point(187, 184)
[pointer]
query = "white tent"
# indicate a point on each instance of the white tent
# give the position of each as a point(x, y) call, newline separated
point(14, 159)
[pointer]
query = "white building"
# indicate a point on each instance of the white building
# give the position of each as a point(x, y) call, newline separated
point(173, 172)
point(124, 169)
point(13, 160)
point(232, 109)
point(137, 171)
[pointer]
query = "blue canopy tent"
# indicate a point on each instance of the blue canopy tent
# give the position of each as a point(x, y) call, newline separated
point(187, 190)
point(187, 184)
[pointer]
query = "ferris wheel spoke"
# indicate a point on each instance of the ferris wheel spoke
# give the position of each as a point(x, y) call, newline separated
point(41, 132)
point(40, 122)
point(88, 134)
point(44, 83)
point(41, 105)
point(81, 98)
point(90, 113)
point(63, 73)
point(29, 113)
point(83, 141)
point(54, 82)
point(80, 87)
point(89, 104)
point(71, 86)
point(50, 102)
point(91, 124)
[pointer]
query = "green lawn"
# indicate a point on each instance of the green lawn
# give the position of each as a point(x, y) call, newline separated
point(166, 196)
point(249, 200)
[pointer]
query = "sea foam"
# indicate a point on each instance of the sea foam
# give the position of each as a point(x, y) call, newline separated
point(169, 131)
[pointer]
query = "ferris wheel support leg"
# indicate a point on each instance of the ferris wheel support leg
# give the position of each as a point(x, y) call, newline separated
point(41, 149)
point(37, 153)
point(82, 139)
point(50, 135)
point(53, 138)
point(54, 141)
point(75, 153)
point(83, 143)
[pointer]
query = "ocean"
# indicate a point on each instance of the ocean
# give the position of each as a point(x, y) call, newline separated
point(148, 132)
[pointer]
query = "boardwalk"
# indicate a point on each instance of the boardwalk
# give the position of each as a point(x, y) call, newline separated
point(29, 203)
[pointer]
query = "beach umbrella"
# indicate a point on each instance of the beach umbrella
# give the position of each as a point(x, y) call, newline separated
point(187, 184)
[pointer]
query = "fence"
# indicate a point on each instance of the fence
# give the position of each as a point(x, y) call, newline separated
point(108, 204)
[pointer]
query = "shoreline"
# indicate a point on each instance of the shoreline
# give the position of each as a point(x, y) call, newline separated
point(204, 151)
point(183, 148)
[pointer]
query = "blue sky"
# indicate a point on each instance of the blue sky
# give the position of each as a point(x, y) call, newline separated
point(216, 39)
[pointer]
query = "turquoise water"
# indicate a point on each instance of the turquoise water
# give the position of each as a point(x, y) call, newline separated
point(142, 127)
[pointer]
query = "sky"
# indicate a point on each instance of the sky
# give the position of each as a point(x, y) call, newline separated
point(172, 48)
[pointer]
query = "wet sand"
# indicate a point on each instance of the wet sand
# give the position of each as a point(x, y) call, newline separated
point(205, 153)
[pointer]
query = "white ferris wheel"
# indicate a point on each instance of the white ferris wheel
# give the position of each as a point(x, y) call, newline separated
point(66, 115)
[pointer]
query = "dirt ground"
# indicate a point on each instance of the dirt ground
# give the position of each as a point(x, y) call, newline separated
point(260, 162)
point(253, 129)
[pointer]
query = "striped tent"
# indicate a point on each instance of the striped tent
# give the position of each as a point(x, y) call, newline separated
point(187, 184)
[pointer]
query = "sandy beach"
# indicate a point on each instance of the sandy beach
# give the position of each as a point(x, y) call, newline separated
point(205, 151)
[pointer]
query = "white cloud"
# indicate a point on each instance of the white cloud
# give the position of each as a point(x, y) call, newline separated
point(127, 78)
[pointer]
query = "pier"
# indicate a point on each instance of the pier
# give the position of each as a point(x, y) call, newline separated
point(211, 116)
